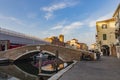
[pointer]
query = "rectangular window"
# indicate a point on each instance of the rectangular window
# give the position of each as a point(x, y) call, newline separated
point(116, 34)
point(104, 37)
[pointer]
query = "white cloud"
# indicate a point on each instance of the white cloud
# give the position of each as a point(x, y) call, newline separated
point(69, 28)
point(54, 7)
point(13, 19)
point(57, 27)
point(48, 15)
point(15, 24)
point(90, 22)
point(104, 17)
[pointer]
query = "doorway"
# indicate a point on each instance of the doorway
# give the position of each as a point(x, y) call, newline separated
point(4, 45)
point(105, 50)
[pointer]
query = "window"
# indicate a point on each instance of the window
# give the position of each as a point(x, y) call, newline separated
point(104, 26)
point(104, 37)
point(116, 34)
point(72, 44)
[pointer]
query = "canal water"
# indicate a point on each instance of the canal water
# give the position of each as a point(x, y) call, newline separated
point(29, 69)
point(20, 71)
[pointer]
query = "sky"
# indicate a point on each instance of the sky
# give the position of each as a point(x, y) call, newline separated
point(45, 18)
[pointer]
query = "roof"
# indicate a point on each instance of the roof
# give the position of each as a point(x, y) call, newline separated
point(74, 39)
point(116, 10)
point(107, 20)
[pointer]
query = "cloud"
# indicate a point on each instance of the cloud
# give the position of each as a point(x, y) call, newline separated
point(48, 15)
point(90, 22)
point(104, 17)
point(54, 7)
point(57, 27)
point(64, 29)
point(13, 19)
point(69, 28)
point(16, 24)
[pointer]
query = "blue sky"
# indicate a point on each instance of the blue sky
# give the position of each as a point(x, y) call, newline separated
point(45, 18)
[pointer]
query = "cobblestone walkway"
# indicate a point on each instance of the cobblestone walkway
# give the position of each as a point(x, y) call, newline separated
point(108, 68)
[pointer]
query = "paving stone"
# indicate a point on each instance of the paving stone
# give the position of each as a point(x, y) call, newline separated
point(108, 68)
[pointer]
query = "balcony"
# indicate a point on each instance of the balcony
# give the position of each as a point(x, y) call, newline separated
point(117, 32)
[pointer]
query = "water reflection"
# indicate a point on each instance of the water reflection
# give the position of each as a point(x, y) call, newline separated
point(4, 76)
point(16, 73)
point(29, 69)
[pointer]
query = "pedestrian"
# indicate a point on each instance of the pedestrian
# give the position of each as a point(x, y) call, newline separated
point(98, 55)
point(82, 56)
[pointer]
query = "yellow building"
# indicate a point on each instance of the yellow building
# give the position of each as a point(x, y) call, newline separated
point(61, 38)
point(83, 46)
point(72, 43)
point(93, 46)
point(49, 39)
point(76, 45)
point(105, 37)
point(55, 40)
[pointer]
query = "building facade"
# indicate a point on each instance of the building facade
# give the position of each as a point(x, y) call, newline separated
point(105, 37)
point(72, 44)
point(76, 45)
point(61, 38)
point(93, 46)
point(55, 40)
point(116, 15)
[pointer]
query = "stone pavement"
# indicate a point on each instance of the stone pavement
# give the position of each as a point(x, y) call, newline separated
point(108, 68)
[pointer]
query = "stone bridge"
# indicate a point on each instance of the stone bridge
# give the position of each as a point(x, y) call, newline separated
point(65, 54)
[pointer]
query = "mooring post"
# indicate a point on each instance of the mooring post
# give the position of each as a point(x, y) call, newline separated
point(56, 60)
point(40, 61)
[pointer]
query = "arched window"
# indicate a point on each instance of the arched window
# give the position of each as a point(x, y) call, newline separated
point(104, 26)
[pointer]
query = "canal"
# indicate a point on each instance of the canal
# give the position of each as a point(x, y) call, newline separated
point(20, 71)
point(28, 69)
